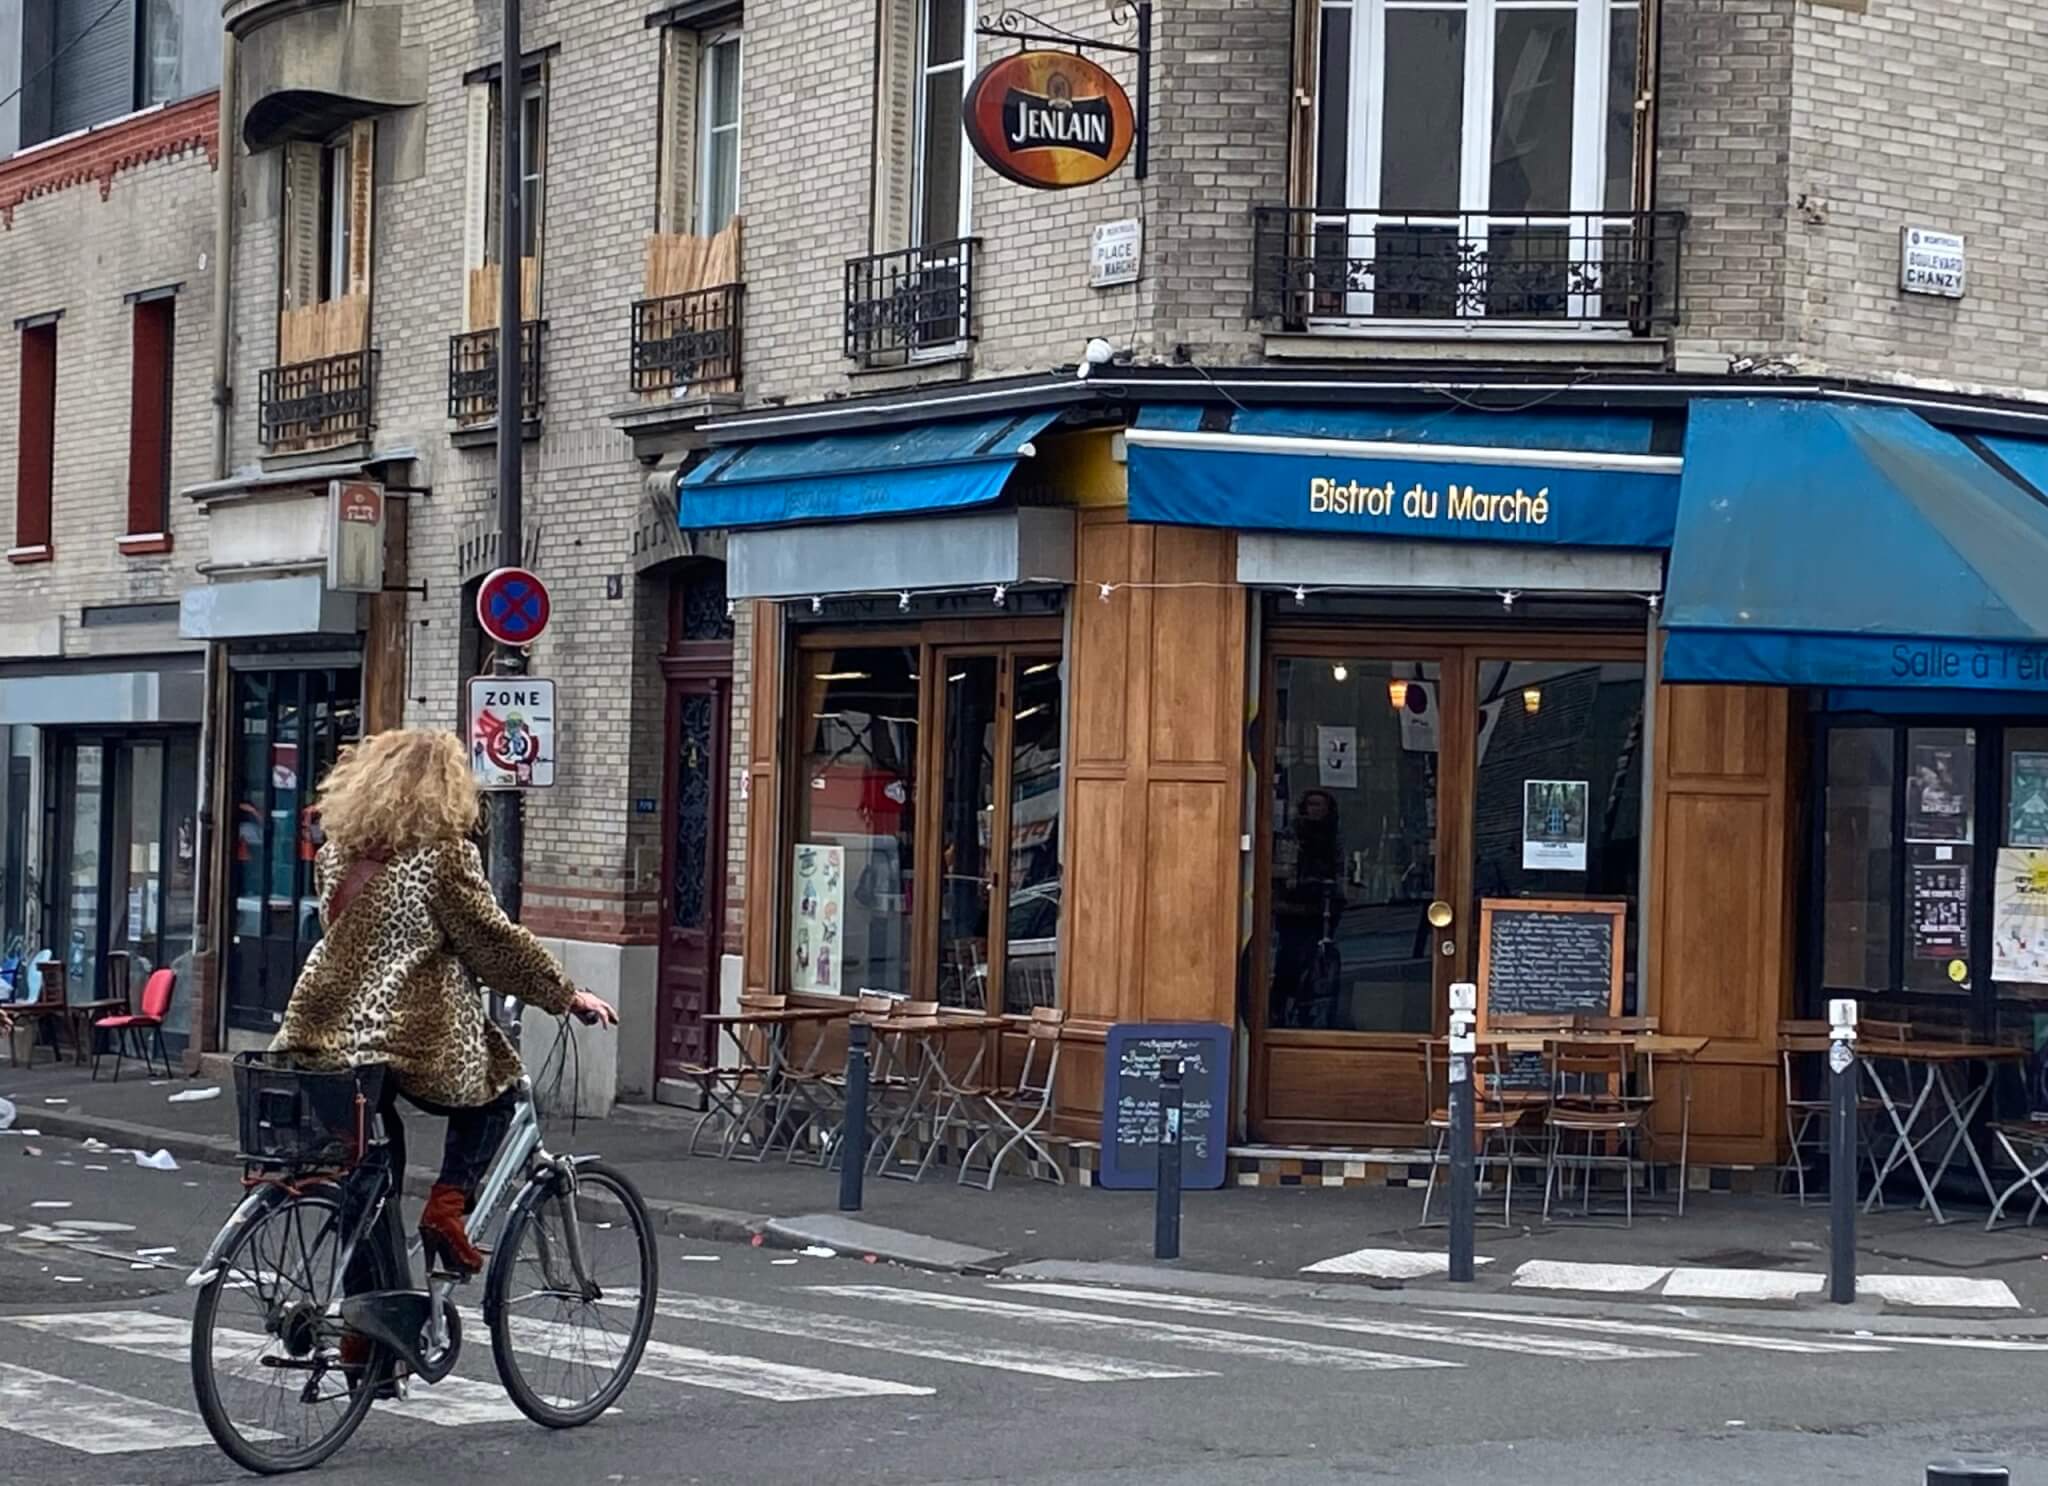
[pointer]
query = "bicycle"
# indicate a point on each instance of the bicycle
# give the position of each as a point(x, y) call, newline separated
point(319, 1182)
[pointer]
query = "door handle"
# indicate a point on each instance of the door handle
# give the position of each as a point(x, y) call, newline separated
point(1440, 914)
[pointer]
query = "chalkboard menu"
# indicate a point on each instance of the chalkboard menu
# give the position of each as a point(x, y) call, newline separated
point(1131, 1102)
point(1548, 957)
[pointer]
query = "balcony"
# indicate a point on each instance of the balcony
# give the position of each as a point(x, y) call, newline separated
point(687, 346)
point(473, 377)
point(1375, 269)
point(318, 404)
point(910, 305)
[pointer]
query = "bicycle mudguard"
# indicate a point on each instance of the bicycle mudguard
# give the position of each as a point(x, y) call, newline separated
point(398, 1318)
point(259, 1201)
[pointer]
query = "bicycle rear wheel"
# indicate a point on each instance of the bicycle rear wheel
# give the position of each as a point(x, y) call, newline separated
point(564, 1356)
point(266, 1342)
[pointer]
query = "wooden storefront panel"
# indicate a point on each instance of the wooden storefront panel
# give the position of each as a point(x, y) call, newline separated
point(1096, 923)
point(764, 848)
point(1721, 922)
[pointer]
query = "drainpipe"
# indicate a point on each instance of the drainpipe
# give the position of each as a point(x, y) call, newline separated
point(206, 1023)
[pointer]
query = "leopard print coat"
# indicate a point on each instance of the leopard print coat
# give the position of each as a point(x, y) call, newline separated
point(390, 983)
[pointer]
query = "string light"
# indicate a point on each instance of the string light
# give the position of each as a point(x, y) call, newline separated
point(1001, 595)
point(817, 604)
point(1507, 599)
point(1107, 590)
point(1300, 597)
point(903, 602)
point(731, 608)
point(1656, 601)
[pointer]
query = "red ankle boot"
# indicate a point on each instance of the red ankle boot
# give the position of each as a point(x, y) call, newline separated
point(442, 1231)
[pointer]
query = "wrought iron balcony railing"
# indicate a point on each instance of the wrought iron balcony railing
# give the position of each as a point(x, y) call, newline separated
point(317, 404)
point(908, 302)
point(473, 374)
point(688, 345)
point(1374, 264)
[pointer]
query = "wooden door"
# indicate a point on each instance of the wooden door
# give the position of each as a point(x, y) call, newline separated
point(1364, 757)
point(696, 747)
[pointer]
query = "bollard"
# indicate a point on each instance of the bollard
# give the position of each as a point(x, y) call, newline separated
point(1842, 1074)
point(1166, 1189)
point(1464, 1179)
point(853, 1146)
point(1960, 1472)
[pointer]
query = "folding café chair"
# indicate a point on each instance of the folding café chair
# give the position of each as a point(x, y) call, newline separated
point(1806, 1119)
point(1590, 1102)
point(719, 1083)
point(2014, 1137)
point(1018, 1115)
point(141, 1030)
point(1494, 1120)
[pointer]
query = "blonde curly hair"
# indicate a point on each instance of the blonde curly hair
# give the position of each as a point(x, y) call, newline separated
point(398, 790)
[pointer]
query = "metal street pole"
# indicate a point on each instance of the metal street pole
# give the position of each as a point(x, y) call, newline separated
point(1842, 1157)
point(507, 819)
point(1464, 1179)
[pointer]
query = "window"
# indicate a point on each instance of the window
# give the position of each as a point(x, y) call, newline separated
point(1492, 132)
point(944, 49)
point(333, 231)
point(149, 418)
point(718, 130)
point(35, 456)
point(84, 62)
point(327, 221)
point(983, 830)
point(483, 245)
point(921, 156)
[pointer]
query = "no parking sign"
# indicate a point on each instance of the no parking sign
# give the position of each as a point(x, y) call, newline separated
point(512, 732)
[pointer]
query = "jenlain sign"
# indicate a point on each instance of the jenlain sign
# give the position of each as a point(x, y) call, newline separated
point(1052, 120)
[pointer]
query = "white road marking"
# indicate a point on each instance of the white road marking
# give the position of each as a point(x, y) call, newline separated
point(81, 1417)
point(878, 1336)
point(451, 1403)
point(1939, 1290)
point(771, 1382)
point(1742, 1284)
point(1385, 1264)
point(1200, 1338)
point(1613, 1279)
point(1451, 1336)
point(1968, 1343)
point(1677, 1333)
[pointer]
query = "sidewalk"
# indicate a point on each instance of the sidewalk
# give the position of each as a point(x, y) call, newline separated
point(1252, 1233)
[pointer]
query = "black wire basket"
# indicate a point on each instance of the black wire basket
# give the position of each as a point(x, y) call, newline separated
point(290, 1116)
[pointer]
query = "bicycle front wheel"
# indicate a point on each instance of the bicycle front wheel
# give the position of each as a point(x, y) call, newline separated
point(566, 1350)
point(267, 1370)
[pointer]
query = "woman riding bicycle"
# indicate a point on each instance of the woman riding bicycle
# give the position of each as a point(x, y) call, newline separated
point(409, 919)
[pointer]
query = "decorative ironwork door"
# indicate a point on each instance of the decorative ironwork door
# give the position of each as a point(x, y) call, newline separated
point(698, 667)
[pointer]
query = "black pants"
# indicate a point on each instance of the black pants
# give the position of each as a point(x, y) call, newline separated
point(474, 1135)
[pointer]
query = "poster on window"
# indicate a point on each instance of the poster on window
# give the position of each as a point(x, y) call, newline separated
point(1554, 824)
point(1938, 793)
point(1940, 896)
point(1337, 757)
point(819, 894)
point(2026, 801)
point(2019, 917)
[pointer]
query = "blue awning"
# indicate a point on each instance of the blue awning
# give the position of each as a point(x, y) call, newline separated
point(1845, 545)
point(854, 476)
point(1569, 479)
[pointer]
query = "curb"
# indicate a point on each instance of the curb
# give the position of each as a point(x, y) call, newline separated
point(681, 1219)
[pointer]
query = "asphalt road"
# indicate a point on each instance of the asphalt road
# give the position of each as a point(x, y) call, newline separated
point(884, 1375)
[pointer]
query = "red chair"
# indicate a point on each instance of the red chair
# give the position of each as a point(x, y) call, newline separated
point(145, 1028)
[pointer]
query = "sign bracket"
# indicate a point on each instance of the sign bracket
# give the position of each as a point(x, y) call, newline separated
point(1025, 28)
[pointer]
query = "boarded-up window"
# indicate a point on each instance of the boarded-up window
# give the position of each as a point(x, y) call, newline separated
point(149, 418)
point(36, 450)
point(482, 224)
point(329, 213)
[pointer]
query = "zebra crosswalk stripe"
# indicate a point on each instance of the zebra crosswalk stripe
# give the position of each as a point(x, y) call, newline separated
point(454, 1403)
point(1745, 1340)
point(770, 1382)
point(1198, 1338)
point(81, 1417)
point(1533, 1345)
point(880, 1336)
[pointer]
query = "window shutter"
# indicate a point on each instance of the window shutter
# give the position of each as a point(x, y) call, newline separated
point(677, 183)
point(1648, 60)
point(530, 268)
point(895, 123)
point(1301, 154)
point(149, 418)
point(300, 249)
point(362, 176)
point(476, 210)
point(92, 76)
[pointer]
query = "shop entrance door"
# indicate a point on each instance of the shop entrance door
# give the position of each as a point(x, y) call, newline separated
point(1406, 783)
point(1364, 765)
point(697, 666)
